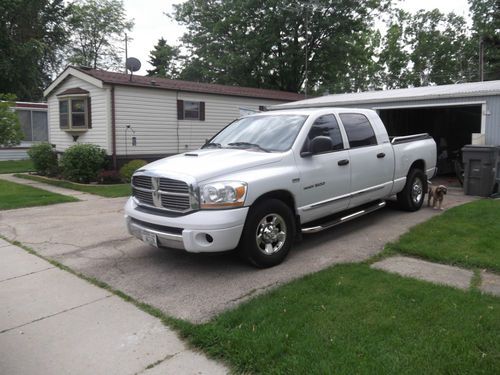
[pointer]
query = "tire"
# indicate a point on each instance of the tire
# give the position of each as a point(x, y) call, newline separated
point(268, 233)
point(412, 196)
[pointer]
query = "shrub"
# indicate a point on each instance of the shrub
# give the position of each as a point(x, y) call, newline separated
point(128, 169)
point(109, 177)
point(82, 162)
point(44, 159)
point(10, 130)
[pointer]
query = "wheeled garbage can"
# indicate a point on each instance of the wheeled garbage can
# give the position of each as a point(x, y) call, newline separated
point(481, 169)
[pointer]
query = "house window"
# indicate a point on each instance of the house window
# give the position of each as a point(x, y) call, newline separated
point(33, 124)
point(74, 113)
point(190, 110)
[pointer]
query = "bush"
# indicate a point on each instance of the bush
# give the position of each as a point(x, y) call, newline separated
point(109, 177)
point(83, 162)
point(44, 159)
point(128, 169)
point(10, 130)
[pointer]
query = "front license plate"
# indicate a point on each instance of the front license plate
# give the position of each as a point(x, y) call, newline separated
point(150, 238)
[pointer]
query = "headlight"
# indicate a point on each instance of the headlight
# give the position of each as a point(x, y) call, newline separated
point(223, 194)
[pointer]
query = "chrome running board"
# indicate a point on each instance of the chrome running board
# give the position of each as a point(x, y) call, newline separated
point(355, 214)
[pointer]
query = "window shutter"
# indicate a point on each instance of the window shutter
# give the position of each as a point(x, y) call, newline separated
point(180, 109)
point(202, 111)
point(89, 113)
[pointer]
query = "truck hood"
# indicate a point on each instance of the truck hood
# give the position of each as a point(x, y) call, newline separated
point(210, 163)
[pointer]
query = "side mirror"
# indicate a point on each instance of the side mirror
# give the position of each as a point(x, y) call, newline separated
point(318, 145)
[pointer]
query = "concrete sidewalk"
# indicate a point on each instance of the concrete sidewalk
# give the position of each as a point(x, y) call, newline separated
point(52, 322)
point(53, 189)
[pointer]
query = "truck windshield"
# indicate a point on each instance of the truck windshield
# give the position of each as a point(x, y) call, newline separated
point(260, 133)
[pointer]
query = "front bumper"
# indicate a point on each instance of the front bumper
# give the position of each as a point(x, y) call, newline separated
point(197, 232)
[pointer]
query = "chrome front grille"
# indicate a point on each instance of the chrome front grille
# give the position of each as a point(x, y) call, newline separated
point(143, 182)
point(173, 186)
point(144, 197)
point(161, 192)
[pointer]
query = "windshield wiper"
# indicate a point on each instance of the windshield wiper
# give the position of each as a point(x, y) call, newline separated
point(247, 145)
point(212, 144)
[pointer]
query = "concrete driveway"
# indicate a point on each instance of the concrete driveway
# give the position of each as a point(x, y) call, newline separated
point(91, 238)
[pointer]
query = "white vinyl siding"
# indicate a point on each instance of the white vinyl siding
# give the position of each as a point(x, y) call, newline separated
point(98, 135)
point(152, 114)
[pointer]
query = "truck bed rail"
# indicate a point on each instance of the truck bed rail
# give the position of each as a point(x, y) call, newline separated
point(409, 138)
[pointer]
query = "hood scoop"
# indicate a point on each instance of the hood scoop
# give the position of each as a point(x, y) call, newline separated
point(191, 154)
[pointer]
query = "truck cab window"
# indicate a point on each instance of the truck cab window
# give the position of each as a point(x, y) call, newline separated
point(326, 126)
point(359, 130)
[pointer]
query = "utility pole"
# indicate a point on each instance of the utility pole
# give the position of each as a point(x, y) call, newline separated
point(126, 52)
point(307, 51)
point(481, 59)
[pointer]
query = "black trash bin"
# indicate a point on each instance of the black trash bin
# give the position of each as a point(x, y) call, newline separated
point(480, 164)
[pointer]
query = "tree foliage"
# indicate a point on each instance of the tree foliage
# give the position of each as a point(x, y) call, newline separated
point(32, 35)
point(424, 48)
point(267, 43)
point(486, 26)
point(97, 29)
point(163, 58)
point(10, 129)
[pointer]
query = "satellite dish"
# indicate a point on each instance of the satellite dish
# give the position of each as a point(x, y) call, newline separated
point(133, 64)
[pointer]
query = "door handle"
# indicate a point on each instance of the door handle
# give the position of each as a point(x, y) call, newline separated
point(343, 162)
point(381, 155)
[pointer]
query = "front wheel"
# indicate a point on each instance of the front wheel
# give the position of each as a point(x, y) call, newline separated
point(412, 196)
point(268, 233)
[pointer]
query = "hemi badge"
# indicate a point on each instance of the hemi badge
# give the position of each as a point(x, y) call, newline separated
point(296, 180)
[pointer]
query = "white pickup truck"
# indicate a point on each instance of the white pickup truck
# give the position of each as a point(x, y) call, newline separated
point(267, 178)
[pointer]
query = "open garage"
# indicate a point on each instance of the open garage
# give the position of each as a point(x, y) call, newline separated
point(454, 115)
point(452, 127)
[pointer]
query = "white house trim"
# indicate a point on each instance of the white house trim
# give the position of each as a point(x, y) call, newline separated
point(76, 73)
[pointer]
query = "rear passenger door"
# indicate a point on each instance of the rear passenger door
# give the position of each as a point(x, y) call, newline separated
point(324, 177)
point(372, 164)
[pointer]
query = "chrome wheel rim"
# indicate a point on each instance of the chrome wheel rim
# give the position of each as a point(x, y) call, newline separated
point(417, 191)
point(271, 234)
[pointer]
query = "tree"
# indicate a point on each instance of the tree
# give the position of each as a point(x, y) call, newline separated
point(486, 27)
point(428, 47)
point(163, 58)
point(10, 129)
point(97, 28)
point(267, 43)
point(32, 35)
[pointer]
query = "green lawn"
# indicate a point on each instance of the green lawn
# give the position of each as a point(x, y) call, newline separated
point(14, 195)
point(16, 166)
point(468, 235)
point(351, 319)
point(108, 191)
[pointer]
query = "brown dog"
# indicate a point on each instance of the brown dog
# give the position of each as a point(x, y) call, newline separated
point(437, 195)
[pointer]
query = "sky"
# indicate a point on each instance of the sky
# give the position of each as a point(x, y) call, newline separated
point(151, 23)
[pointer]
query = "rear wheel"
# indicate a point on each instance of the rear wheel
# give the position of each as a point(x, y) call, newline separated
point(268, 233)
point(412, 196)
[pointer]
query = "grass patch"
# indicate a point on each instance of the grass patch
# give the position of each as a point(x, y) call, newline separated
point(467, 235)
point(108, 191)
point(351, 319)
point(16, 166)
point(14, 195)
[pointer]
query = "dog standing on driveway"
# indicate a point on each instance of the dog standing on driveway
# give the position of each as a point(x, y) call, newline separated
point(437, 195)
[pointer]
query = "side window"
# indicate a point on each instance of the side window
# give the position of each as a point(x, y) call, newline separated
point(327, 126)
point(189, 110)
point(359, 130)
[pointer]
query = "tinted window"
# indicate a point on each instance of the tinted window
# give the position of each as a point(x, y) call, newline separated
point(359, 130)
point(327, 126)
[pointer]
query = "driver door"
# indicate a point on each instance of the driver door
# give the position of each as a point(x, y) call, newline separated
point(324, 177)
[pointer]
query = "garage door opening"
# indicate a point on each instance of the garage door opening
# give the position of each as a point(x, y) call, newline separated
point(451, 127)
